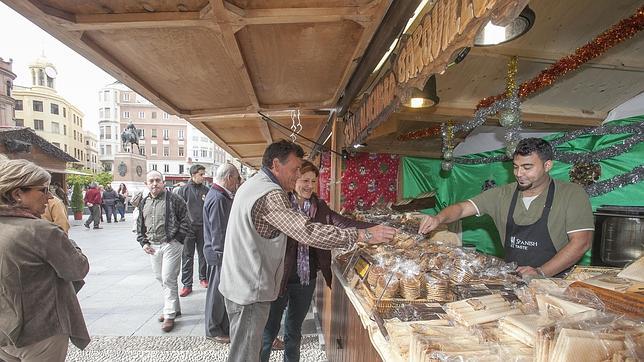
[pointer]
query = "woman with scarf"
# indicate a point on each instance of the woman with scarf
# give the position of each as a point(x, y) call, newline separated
point(38, 264)
point(301, 265)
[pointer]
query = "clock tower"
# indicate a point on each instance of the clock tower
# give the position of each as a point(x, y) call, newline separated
point(43, 73)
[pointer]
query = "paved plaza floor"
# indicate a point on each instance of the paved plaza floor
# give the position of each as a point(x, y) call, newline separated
point(121, 299)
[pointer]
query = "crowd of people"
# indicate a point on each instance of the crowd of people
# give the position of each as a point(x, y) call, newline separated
point(260, 245)
point(105, 200)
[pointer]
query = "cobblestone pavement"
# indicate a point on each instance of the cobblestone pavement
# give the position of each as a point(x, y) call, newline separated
point(121, 301)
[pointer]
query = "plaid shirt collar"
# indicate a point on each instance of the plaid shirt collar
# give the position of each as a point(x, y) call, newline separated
point(270, 175)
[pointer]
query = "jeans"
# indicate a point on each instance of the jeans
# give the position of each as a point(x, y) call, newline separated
point(94, 215)
point(165, 265)
point(188, 257)
point(246, 325)
point(121, 210)
point(109, 211)
point(298, 298)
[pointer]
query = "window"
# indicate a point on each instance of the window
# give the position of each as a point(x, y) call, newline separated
point(65, 146)
point(142, 151)
point(20, 122)
point(39, 125)
point(154, 167)
point(80, 136)
point(126, 96)
point(141, 115)
point(108, 149)
point(166, 151)
point(37, 106)
point(180, 135)
point(65, 129)
point(154, 115)
point(102, 150)
point(55, 127)
point(102, 132)
point(54, 108)
point(165, 115)
point(18, 105)
point(204, 153)
point(141, 133)
point(166, 134)
point(56, 144)
point(195, 153)
point(154, 133)
point(9, 86)
point(166, 168)
point(74, 135)
point(154, 150)
point(181, 152)
point(64, 112)
point(126, 114)
point(180, 169)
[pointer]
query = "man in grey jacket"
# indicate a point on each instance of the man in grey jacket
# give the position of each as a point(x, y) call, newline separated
point(194, 194)
point(215, 214)
point(260, 219)
point(162, 226)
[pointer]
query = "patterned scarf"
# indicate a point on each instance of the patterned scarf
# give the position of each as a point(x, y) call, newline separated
point(303, 266)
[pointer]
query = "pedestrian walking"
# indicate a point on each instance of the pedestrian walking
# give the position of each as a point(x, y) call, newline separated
point(93, 203)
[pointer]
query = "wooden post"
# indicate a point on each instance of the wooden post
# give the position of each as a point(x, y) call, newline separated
point(336, 164)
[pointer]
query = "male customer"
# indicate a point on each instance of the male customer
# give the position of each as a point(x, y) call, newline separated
point(194, 194)
point(93, 201)
point(109, 203)
point(260, 219)
point(546, 226)
point(162, 226)
point(216, 210)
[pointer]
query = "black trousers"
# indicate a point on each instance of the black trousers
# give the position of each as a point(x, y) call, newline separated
point(216, 322)
point(188, 257)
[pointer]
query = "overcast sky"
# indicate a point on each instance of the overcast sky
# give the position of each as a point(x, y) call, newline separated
point(78, 81)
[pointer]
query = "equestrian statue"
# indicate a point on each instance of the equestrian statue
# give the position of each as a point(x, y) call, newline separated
point(130, 136)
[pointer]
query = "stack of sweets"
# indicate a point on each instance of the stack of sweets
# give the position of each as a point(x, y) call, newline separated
point(461, 273)
point(387, 286)
point(436, 287)
point(375, 272)
point(411, 286)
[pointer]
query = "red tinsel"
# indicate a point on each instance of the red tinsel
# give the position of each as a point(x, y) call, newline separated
point(625, 29)
point(421, 133)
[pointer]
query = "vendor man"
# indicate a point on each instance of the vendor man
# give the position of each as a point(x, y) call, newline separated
point(546, 225)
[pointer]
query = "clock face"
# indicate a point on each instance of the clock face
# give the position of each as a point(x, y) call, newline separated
point(51, 72)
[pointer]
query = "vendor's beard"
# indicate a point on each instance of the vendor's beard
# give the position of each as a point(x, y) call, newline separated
point(524, 188)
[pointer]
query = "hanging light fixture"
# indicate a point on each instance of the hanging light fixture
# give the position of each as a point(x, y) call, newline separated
point(494, 35)
point(425, 98)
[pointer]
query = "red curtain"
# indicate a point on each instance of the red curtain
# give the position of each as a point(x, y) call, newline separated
point(369, 178)
point(325, 177)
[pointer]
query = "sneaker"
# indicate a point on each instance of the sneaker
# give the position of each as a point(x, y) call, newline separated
point(185, 291)
point(87, 226)
point(203, 283)
point(97, 227)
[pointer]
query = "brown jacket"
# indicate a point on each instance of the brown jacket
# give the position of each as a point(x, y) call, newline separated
point(56, 212)
point(37, 266)
point(321, 259)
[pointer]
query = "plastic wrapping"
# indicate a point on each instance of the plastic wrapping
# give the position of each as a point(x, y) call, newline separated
point(485, 309)
point(437, 287)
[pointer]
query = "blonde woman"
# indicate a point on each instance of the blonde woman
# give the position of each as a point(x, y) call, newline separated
point(38, 263)
point(56, 210)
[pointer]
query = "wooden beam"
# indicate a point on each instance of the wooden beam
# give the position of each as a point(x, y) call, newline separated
point(137, 21)
point(236, 144)
point(215, 138)
point(549, 57)
point(242, 17)
point(536, 114)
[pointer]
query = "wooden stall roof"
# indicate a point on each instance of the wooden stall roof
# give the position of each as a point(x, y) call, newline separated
point(202, 59)
point(581, 99)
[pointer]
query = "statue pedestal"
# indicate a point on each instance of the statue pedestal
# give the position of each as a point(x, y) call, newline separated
point(129, 169)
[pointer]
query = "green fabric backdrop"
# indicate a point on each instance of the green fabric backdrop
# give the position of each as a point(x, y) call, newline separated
point(465, 181)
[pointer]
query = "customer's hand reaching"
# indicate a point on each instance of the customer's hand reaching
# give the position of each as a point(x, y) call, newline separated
point(376, 234)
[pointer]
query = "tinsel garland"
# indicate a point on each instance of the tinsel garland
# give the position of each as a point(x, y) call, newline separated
point(602, 187)
point(637, 135)
point(421, 133)
point(624, 30)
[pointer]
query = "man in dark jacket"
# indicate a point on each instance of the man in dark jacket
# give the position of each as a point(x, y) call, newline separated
point(93, 201)
point(162, 226)
point(215, 214)
point(109, 202)
point(194, 194)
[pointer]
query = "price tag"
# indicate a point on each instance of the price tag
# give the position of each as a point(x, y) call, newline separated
point(361, 266)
